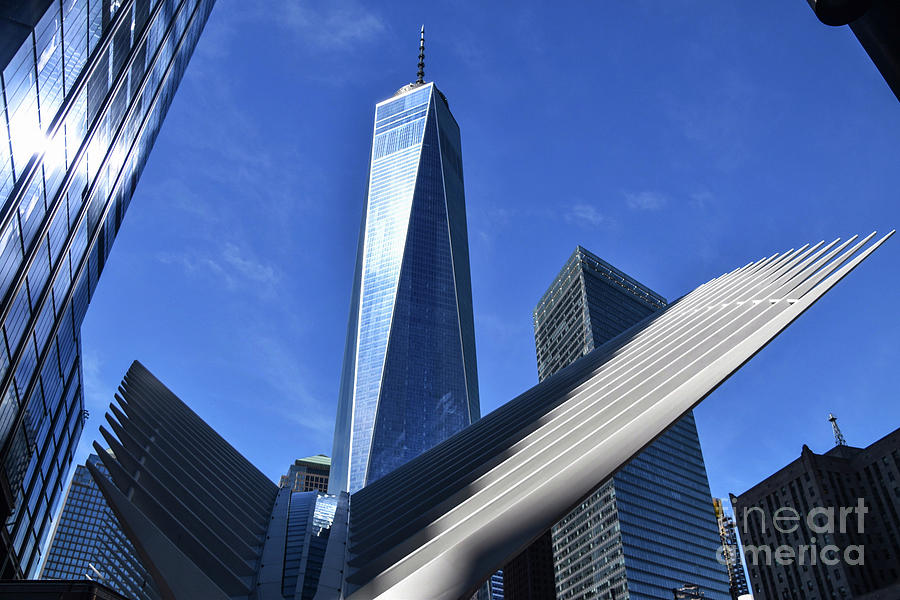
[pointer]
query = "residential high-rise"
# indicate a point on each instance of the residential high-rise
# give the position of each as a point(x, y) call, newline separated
point(87, 542)
point(838, 529)
point(85, 87)
point(730, 551)
point(650, 528)
point(307, 474)
point(409, 378)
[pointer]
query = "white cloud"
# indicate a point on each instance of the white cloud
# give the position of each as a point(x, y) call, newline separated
point(98, 392)
point(93, 381)
point(701, 200)
point(333, 25)
point(283, 373)
point(231, 266)
point(318, 24)
point(645, 200)
point(248, 268)
point(585, 214)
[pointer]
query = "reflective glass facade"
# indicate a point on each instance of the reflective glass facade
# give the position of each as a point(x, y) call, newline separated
point(310, 516)
point(497, 586)
point(85, 87)
point(650, 529)
point(89, 544)
point(409, 379)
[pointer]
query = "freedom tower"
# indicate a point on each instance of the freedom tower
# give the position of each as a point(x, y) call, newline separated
point(409, 379)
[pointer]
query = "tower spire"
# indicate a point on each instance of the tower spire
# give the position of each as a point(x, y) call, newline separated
point(420, 75)
point(838, 436)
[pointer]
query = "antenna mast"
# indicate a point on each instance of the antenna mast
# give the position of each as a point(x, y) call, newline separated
point(420, 76)
point(838, 436)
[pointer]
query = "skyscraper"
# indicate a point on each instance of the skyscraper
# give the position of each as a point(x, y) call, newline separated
point(650, 528)
point(87, 542)
point(307, 474)
point(85, 87)
point(409, 378)
point(731, 551)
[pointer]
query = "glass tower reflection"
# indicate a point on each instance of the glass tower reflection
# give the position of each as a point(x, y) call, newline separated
point(409, 379)
point(88, 542)
point(85, 87)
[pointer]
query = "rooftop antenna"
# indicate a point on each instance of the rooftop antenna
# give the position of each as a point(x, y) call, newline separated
point(838, 436)
point(420, 75)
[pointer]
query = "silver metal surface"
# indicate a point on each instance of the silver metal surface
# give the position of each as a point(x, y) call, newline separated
point(207, 524)
point(441, 524)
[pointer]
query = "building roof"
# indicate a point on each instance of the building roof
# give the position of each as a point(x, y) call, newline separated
point(318, 459)
point(582, 258)
point(850, 454)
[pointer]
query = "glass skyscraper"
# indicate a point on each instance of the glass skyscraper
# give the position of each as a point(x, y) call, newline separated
point(650, 529)
point(409, 379)
point(88, 543)
point(85, 87)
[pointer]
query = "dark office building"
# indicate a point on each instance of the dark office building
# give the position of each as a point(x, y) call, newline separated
point(307, 474)
point(529, 576)
point(650, 528)
point(832, 558)
point(85, 87)
point(87, 542)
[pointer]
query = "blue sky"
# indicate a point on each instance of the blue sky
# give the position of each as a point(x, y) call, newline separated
point(675, 140)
